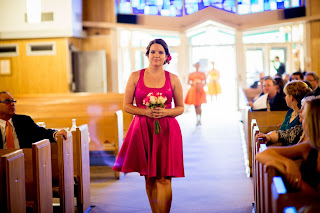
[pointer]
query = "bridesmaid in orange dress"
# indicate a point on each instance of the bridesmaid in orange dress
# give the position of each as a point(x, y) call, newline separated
point(196, 94)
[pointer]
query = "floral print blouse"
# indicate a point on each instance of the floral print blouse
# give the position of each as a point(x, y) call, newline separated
point(291, 136)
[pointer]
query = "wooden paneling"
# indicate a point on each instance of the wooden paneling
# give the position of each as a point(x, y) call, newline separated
point(315, 44)
point(38, 74)
point(99, 10)
point(97, 31)
point(101, 42)
point(314, 7)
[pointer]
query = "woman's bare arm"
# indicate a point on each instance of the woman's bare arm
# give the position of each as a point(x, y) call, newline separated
point(129, 97)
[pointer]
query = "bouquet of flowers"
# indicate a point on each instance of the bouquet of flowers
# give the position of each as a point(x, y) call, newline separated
point(155, 99)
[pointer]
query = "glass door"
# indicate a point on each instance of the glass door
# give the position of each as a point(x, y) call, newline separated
point(254, 65)
point(260, 59)
point(281, 54)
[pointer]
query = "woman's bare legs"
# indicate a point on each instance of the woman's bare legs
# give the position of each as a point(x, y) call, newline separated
point(159, 193)
point(198, 114)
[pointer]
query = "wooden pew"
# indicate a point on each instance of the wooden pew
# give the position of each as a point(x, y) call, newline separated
point(267, 121)
point(255, 129)
point(42, 176)
point(82, 167)
point(258, 179)
point(34, 187)
point(273, 196)
point(268, 174)
point(264, 118)
point(74, 102)
point(12, 181)
point(63, 173)
point(105, 130)
point(99, 111)
point(282, 197)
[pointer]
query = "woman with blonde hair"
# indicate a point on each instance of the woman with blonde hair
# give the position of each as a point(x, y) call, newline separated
point(295, 91)
point(307, 176)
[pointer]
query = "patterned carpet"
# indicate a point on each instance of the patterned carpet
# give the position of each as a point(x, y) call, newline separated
point(215, 180)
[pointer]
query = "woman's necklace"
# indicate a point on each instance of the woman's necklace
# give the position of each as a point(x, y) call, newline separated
point(155, 77)
point(294, 114)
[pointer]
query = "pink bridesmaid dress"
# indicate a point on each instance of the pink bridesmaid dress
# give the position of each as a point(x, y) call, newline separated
point(152, 155)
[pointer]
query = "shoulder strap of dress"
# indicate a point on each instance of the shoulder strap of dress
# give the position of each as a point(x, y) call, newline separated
point(141, 76)
point(168, 82)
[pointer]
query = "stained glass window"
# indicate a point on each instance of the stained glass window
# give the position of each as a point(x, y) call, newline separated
point(192, 6)
point(154, 7)
point(185, 7)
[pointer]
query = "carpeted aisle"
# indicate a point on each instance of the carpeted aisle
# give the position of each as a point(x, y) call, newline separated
point(214, 167)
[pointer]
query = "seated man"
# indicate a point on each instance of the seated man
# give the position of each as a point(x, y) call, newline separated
point(313, 79)
point(20, 131)
point(275, 100)
point(297, 76)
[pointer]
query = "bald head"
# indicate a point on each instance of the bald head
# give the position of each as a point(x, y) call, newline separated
point(7, 107)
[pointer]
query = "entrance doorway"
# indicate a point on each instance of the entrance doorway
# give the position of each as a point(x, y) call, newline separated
point(223, 57)
point(213, 42)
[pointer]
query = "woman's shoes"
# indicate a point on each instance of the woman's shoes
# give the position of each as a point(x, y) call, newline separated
point(198, 123)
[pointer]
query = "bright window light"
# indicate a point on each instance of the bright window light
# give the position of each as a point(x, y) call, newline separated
point(34, 11)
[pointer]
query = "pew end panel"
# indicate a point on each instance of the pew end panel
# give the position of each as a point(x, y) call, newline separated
point(282, 197)
point(12, 187)
point(269, 173)
point(82, 167)
point(42, 173)
point(258, 176)
point(62, 171)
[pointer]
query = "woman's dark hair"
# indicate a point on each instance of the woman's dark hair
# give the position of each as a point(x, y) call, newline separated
point(162, 43)
point(280, 83)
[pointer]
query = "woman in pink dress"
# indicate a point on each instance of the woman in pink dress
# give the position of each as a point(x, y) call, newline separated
point(158, 157)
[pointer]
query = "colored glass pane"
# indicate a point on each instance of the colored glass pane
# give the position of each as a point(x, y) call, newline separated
point(175, 7)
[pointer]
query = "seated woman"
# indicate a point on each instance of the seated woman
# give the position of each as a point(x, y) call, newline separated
point(307, 177)
point(295, 91)
point(287, 137)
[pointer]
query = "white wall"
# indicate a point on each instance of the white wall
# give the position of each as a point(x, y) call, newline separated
point(13, 25)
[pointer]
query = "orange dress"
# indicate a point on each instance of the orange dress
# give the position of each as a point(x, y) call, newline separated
point(196, 94)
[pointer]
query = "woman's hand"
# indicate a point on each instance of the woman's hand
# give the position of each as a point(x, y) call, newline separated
point(149, 113)
point(290, 170)
point(293, 174)
point(159, 112)
point(265, 137)
point(276, 164)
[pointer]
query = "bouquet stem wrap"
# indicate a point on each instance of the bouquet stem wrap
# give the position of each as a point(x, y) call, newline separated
point(157, 128)
point(155, 99)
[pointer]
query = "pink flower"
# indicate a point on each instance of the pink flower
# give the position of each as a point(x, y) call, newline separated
point(169, 59)
point(152, 100)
